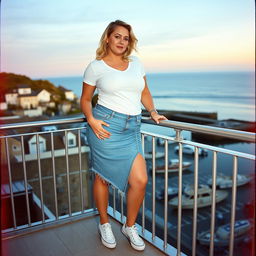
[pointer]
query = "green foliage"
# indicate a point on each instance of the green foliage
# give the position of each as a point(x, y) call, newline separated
point(12, 81)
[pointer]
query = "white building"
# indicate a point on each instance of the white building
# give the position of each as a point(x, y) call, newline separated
point(3, 106)
point(65, 107)
point(29, 112)
point(44, 145)
point(12, 97)
point(71, 139)
point(70, 95)
point(32, 144)
point(44, 96)
point(24, 89)
point(28, 101)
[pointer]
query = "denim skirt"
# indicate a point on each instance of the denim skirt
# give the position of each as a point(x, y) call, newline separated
point(112, 158)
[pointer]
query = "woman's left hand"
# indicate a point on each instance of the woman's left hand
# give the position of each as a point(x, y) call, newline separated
point(156, 117)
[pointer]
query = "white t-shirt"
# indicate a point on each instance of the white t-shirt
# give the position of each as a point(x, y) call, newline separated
point(117, 90)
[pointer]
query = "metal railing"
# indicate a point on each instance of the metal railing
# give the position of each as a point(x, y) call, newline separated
point(162, 243)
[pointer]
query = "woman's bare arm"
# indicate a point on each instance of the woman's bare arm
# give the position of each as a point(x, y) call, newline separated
point(147, 101)
point(86, 106)
point(86, 100)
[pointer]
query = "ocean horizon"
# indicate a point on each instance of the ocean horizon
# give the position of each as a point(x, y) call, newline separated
point(230, 94)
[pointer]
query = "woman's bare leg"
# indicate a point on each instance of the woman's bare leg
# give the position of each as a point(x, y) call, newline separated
point(137, 185)
point(100, 192)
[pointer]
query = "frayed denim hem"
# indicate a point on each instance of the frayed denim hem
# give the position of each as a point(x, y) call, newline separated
point(105, 180)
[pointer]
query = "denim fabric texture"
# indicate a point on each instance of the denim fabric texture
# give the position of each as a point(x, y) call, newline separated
point(112, 158)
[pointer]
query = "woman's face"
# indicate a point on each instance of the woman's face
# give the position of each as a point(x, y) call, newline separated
point(118, 40)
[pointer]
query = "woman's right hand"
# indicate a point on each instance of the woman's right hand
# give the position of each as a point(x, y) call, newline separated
point(97, 128)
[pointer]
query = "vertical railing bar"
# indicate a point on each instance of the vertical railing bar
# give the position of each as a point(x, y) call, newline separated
point(68, 180)
point(25, 180)
point(166, 193)
point(10, 181)
point(80, 171)
point(143, 203)
point(92, 176)
point(195, 202)
point(179, 202)
point(153, 186)
point(214, 169)
point(54, 177)
point(233, 206)
point(122, 207)
point(40, 176)
point(114, 201)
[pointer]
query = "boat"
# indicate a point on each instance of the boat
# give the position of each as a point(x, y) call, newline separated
point(172, 191)
point(222, 234)
point(188, 149)
point(157, 155)
point(173, 166)
point(223, 181)
point(204, 197)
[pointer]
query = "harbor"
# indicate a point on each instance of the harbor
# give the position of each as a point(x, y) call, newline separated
point(223, 208)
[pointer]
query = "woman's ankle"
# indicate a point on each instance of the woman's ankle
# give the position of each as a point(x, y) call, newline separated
point(103, 221)
point(129, 224)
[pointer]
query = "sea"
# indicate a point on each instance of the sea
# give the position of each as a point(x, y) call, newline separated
point(230, 94)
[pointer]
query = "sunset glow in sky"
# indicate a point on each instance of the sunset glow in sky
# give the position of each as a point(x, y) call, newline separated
point(52, 38)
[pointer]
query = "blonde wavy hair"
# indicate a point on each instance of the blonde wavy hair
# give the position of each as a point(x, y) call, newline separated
point(101, 52)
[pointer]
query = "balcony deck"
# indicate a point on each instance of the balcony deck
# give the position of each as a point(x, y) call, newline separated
point(74, 238)
point(31, 228)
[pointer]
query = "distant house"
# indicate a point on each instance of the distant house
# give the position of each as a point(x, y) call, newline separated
point(3, 105)
point(64, 107)
point(71, 139)
point(27, 98)
point(24, 89)
point(28, 101)
point(44, 146)
point(43, 96)
point(51, 104)
point(32, 144)
point(70, 95)
point(29, 112)
point(11, 97)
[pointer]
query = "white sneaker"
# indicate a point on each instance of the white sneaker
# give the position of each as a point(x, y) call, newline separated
point(132, 234)
point(107, 236)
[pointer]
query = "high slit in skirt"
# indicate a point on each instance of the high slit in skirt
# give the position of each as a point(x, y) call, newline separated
point(112, 158)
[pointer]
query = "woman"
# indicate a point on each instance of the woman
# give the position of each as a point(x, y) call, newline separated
point(113, 128)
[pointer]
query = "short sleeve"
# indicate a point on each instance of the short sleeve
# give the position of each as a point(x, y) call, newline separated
point(89, 75)
point(142, 70)
point(140, 65)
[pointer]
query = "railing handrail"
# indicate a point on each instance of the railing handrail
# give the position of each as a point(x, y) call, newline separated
point(206, 129)
point(70, 120)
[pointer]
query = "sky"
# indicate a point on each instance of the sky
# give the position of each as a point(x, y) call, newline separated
point(59, 38)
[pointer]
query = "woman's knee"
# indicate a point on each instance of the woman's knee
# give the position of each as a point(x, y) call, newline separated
point(139, 182)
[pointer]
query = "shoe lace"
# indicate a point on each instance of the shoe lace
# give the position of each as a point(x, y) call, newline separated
point(134, 233)
point(107, 230)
